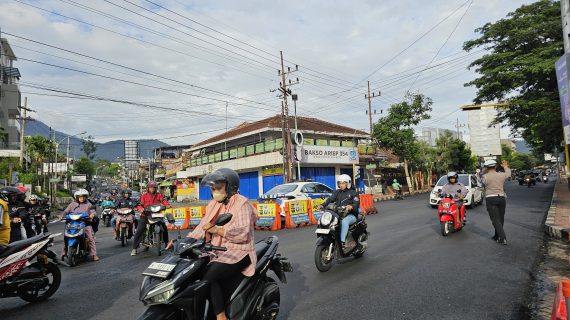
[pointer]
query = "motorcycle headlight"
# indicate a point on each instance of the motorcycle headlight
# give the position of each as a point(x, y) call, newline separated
point(446, 205)
point(161, 293)
point(326, 219)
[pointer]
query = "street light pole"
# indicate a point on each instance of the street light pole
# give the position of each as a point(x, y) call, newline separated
point(295, 97)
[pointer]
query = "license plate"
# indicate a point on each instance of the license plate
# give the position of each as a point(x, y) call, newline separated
point(159, 270)
point(157, 215)
point(322, 231)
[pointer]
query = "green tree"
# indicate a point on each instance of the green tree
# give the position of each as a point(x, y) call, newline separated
point(89, 147)
point(520, 70)
point(84, 166)
point(507, 153)
point(453, 154)
point(522, 161)
point(40, 149)
point(395, 131)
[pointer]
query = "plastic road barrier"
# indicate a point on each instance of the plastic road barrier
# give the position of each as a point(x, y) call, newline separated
point(297, 213)
point(268, 216)
point(367, 204)
point(180, 218)
point(195, 215)
point(315, 212)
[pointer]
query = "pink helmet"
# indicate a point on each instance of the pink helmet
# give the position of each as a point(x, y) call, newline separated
point(152, 184)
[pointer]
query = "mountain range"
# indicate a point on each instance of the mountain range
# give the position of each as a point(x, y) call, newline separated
point(107, 151)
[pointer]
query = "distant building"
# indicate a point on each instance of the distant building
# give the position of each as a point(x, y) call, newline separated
point(10, 98)
point(430, 135)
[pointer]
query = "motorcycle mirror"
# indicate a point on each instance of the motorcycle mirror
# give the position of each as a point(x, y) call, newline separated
point(169, 218)
point(223, 219)
point(162, 207)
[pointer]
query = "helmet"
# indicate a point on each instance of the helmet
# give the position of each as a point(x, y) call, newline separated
point(33, 197)
point(152, 184)
point(80, 192)
point(490, 163)
point(9, 193)
point(23, 189)
point(395, 180)
point(127, 191)
point(343, 178)
point(228, 176)
point(452, 174)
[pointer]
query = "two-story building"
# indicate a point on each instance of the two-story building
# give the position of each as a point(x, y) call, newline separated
point(10, 98)
point(255, 151)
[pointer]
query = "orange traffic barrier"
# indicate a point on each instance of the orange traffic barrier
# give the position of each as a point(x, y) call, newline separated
point(268, 216)
point(180, 218)
point(367, 204)
point(314, 213)
point(559, 311)
point(297, 213)
point(195, 215)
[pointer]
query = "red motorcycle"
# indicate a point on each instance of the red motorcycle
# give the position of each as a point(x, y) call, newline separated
point(451, 214)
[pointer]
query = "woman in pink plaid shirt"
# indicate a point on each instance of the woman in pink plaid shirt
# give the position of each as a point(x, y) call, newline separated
point(236, 235)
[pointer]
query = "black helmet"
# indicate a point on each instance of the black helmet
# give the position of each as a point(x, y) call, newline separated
point(128, 191)
point(7, 192)
point(229, 176)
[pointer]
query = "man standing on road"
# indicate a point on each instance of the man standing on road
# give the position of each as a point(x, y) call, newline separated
point(495, 195)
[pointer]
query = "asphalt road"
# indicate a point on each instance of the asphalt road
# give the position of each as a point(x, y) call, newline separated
point(409, 272)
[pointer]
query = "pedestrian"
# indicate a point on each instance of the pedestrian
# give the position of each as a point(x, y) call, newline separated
point(495, 196)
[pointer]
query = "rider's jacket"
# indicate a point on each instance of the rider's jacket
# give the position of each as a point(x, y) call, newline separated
point(148, 199)
point(107, 203)
point(125, 203)
point(454, 190)
point(4, 223)
point(344, 198)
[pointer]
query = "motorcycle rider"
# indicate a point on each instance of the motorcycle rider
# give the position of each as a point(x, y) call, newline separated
point(455, 189)
point(150, 197)
point(236, 235)
point(397, 189)
point(81, 204)
point(344, 195)
point(18, 211)
point(5, 220)
point(107, 202)
point(124, 202)
point(35, 206)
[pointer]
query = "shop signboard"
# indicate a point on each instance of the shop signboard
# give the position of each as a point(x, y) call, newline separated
point(327, 155)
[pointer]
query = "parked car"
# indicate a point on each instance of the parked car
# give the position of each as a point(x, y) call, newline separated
point(295, 191)
point(474, 197)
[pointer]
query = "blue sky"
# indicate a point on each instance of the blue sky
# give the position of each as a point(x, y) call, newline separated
point(230, 50)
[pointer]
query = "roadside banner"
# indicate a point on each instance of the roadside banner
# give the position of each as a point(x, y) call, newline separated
point(268, 216)
point(315, 212)
point(180, 218)
point(195, 215)
point(297, 213)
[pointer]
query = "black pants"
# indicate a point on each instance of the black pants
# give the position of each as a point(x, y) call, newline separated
point(496, 208)
point(15, 231)
point(219, 274)
point(141, 227)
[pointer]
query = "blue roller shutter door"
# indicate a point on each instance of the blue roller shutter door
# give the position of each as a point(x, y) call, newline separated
point(205, 192)
point(323, 175)
point(249, 184)
point(271, 181)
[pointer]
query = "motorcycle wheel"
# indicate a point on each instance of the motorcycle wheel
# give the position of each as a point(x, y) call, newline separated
point(270, 308)
point(158, 243)
point(123, 236)
point(320, 256)
point(71, 257)
point(30, 293)
point(445, 228)
point(108, 222)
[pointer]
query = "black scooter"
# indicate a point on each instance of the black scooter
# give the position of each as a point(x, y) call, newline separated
point(329, 246)
point(173, 289)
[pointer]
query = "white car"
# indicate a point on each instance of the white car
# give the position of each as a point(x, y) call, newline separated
point(474, 197)
point(295, 191)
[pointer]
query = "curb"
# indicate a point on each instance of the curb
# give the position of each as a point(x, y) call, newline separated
point(550, 228)
point(392, 196)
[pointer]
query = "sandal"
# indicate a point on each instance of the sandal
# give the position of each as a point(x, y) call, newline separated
point(95, 258)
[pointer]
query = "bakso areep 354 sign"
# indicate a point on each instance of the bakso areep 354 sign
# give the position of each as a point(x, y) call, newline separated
point(327, 155)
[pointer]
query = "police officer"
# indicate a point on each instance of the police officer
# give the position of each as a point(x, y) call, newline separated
point(495, 196)
point(345, 196)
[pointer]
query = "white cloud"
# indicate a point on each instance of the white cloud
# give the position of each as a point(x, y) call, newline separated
point(345, 39)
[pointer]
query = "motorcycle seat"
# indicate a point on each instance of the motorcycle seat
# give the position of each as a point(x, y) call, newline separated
point(19, 245)
point(261, 248)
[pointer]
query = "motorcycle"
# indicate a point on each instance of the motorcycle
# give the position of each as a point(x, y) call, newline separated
point(155, 227)
point(28, 269)
point(39, 219)
point(328, 233)
point(451, 217)
point(173, 289)
point(106, 216)
point(544, 179)
point(75, 239)
point(529, 182)
point(125, 224)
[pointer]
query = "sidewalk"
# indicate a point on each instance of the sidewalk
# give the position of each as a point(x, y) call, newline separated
point(557, 223)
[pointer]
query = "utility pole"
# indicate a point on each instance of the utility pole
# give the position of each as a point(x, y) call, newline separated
point(369, 98)
point(286, 134)
point(225, 140)
point(458, 126)
point(22, 140)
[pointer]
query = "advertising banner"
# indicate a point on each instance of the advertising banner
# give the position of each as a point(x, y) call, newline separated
point(327, 154)
point(266, 214)
point(562, 79)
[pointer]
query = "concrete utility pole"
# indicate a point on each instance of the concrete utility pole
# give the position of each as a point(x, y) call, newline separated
point(25, 108)
point(286, 134)
point(369, 98)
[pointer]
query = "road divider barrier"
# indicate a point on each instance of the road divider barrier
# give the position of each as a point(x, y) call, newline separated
point(559, 310)
point(367, 204)
point(297, 214)
point(314, 208)
point(195, 215)
point(180, 218)
point(268, 216)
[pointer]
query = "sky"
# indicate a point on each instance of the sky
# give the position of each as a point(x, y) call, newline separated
point(167, 69)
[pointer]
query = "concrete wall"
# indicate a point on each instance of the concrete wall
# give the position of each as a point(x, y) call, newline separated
point(10, 100)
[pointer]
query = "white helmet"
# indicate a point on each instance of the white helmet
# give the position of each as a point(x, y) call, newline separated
point(33, 197)
point(344, 178)
point(80, 192)
point(490, 163)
